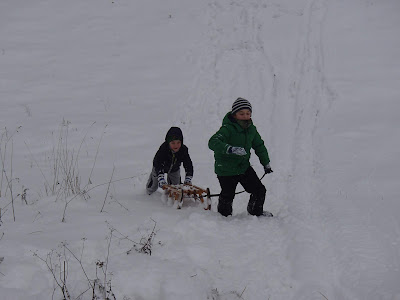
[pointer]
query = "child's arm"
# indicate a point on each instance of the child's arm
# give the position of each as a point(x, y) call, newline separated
point(187, 164)
point(260, 149)
point(218, 142)
point(159, 160)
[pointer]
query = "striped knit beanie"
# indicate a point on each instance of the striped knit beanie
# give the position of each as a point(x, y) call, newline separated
point(240, 104)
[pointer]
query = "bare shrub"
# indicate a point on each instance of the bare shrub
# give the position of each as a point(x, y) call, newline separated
point(7, 177)
point(58, 264)
point(145, 245)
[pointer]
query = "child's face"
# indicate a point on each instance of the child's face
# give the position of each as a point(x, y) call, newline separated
point(175, 145)
point(244, 114)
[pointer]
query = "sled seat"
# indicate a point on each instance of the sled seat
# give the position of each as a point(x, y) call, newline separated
point(179, 192)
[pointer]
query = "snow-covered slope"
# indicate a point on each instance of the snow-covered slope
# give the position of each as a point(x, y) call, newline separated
point(96, 85)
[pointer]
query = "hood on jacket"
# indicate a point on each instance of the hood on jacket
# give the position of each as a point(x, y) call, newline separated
point(174, 133)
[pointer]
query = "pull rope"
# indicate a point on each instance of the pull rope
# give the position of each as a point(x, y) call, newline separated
point(216, 195)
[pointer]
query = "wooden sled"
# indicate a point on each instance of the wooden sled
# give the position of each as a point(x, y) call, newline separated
point(184, 191)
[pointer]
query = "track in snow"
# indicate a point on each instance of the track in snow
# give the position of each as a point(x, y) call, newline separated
point(235, 61)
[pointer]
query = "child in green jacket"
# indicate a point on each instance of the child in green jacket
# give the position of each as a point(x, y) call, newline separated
point(231, 145)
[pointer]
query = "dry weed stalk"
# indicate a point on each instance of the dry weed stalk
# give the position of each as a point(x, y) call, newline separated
point(146, 242)
point(7, 170)
point(63, 161)
point(100, 288)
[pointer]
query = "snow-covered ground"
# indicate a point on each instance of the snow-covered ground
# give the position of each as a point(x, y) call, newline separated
point(92, 86)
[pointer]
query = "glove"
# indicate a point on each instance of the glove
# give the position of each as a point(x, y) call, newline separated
point(161, 180)
point(236, 150)
point(267, 169)
point(188, 180)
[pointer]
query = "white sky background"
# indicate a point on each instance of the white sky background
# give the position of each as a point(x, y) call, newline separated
point(323, 79)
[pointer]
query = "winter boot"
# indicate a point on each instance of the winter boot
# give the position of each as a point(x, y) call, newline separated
point(225, 206)
point(266, 213)
point(256, 202)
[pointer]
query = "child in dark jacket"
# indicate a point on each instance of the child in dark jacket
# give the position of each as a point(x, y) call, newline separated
point(231, 145)
point(168, 159)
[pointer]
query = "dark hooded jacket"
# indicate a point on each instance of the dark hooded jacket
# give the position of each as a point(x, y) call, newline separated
point(166, 161)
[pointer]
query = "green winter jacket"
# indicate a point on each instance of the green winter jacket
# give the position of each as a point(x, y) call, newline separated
point(232, 134)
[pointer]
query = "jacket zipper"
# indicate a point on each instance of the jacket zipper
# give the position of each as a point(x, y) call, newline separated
point(173, 161)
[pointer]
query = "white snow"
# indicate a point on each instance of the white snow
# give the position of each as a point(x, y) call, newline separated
point(99, 83)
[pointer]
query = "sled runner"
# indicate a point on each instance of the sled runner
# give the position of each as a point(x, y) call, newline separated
point(184, 191)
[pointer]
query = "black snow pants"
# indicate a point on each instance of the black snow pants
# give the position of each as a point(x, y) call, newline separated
point(251, 184)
